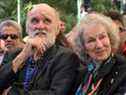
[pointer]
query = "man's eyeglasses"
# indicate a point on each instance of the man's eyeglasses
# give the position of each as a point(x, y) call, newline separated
point(12, 36)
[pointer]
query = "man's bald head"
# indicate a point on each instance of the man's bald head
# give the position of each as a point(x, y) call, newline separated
point(45, 9)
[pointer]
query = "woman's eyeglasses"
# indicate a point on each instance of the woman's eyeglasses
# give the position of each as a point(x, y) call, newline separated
point(5, 36)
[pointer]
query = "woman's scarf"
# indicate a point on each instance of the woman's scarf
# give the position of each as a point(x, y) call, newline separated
point(90, 83)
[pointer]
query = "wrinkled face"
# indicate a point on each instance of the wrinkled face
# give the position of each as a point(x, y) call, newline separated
point(43, 18)
point(11, 36)
point(97, 42)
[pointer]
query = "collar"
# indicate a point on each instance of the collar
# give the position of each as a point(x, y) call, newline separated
point(50, 52)
point(47, 56)
point(106, 67)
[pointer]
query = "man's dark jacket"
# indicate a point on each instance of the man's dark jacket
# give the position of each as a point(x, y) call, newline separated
point(57, 76)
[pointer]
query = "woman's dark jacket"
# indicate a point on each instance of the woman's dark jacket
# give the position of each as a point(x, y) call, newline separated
point(113, 75)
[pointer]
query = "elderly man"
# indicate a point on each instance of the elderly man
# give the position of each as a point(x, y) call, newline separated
point(48, 69)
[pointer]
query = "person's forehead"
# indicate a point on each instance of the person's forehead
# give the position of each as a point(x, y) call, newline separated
point(91, 30)
point(44, 10)
point(9, 29)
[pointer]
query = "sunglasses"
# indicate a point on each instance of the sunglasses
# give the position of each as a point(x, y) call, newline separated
point(12, 36)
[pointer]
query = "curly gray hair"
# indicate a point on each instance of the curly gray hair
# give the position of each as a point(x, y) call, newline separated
point(96, 18)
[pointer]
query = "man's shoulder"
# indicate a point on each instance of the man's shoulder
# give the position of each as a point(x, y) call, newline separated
point(65, 53)
point(63, 49)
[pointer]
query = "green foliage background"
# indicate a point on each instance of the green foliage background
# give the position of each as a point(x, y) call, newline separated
point(66, 8)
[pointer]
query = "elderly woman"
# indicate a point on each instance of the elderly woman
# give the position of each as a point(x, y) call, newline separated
point(106, 71)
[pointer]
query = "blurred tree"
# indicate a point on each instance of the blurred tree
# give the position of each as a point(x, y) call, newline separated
point(66, 8)
point(8, 9)
point(103, 5)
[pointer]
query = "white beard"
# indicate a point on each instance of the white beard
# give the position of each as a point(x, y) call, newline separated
point(49, 36)
point(51, 39)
